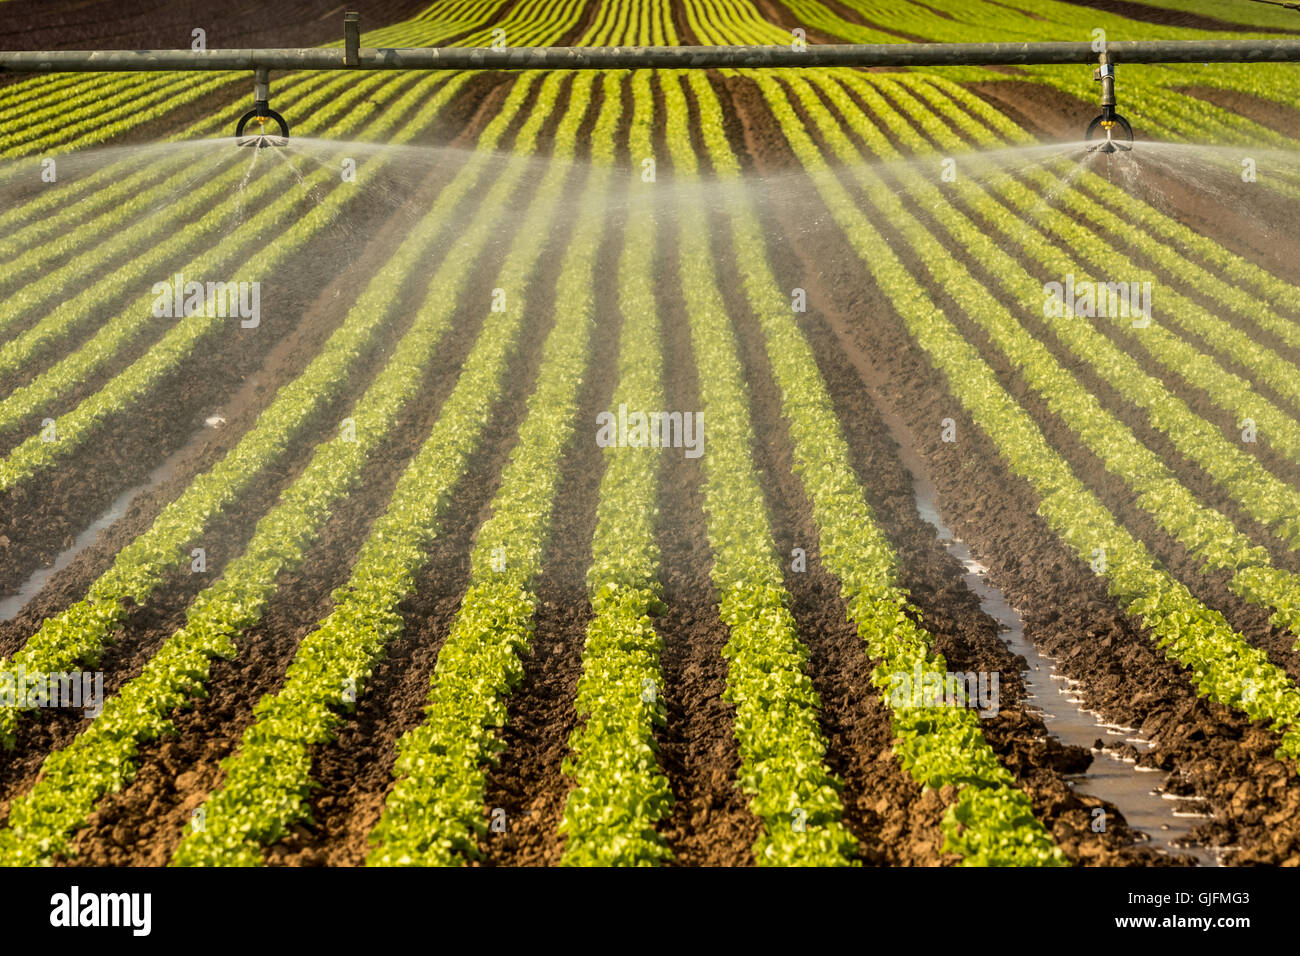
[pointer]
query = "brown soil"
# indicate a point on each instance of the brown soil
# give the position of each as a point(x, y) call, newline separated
point(166, 24)
point(888, 398)
point(1067, 613)
point(1282, 117)
point(233, 374)
point(149, 626)
point(155, 807)
point(356, 771)
point(963, 633)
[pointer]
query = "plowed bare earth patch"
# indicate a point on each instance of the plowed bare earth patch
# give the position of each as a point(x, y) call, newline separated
point(144, 822)
point(233, 375)
point(1067, 614)
point(149, 626)
point(1147, 13)
point(1043, 110)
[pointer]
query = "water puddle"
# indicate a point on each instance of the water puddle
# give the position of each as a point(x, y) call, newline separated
point(1163, 818)
point(13, 604)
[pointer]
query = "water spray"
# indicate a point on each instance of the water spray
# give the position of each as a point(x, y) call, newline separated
point(1109, 120)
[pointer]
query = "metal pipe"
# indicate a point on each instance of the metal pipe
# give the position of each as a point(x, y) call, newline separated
point(631, 58)
point(262, 86)
point(1106, 73)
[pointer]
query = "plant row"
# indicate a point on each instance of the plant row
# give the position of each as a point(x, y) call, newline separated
point(991, 822)
point(434, 815)
point(221, 613)
point(776, 725)
point(267, 782)
point(620, 794)
point(1207, 534)
point(1224, 667)
point(77, 635)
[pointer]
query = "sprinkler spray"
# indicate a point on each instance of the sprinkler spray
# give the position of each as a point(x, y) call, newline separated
point(1109, 119)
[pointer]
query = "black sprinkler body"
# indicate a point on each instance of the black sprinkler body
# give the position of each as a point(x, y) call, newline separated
point(1109, 121)
point(260, 116)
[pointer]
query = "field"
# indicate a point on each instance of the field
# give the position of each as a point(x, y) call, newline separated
point(791, 467)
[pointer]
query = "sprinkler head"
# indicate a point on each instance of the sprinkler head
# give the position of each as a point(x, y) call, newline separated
point(261, 114)
point(1110, 122)
point(260, 136)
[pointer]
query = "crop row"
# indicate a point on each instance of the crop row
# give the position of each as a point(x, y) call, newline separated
point(236, 601)
point(137, 100)
point(782, 749)
point(27, 226)
point(180, 341)
point(192, 195)
point(268, 780)
point(434, 813)
point(1224, 666)
point(1153, 93)
point(77, 635)
point(1177, 247)
point(1207, 534)
point(620, 794)
point(991, 822)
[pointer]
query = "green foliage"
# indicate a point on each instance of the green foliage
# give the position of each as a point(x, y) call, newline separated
point(776, 724)
point(78, 635)
point(434, 814)
point(1224, 667)
point(619, 793)
point(937, 746)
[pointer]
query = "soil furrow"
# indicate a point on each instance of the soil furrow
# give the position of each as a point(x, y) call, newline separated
point(41, 517)
point(1217, 754)
point(147, 627)
point(355, 771)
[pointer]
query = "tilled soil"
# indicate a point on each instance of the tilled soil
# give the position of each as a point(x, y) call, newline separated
point(149, 626)
point(176, 775)
point(1216, 754)
point(167, 24)
point(885, 391)
point(232, 373)
point(963, 633)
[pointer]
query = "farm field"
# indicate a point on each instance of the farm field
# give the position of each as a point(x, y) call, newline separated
point(785, 467)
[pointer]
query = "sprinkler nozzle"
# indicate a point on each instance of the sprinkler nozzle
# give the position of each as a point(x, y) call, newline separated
point(261, 113)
